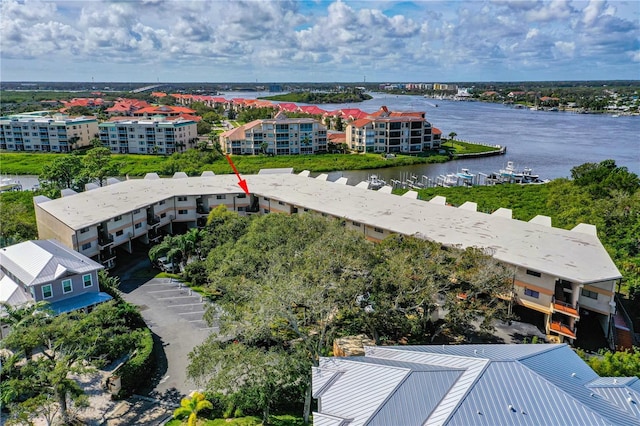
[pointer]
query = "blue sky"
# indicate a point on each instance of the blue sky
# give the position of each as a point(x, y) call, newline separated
point(319, 41)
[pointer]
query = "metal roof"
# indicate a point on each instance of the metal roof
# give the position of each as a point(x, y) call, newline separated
point(491, 352)
point(358, 397)
point(79, 302)
point(415, 399)
point(42, 261)
point(526, 385)
point(572, 255)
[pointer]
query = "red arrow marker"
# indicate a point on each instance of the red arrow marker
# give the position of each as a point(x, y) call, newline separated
point(241, 182)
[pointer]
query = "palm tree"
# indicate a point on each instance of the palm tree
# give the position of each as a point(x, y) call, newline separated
point(190, 406)
point(451, 136)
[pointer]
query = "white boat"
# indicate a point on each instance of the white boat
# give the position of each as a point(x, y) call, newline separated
point(529, 176)
point(8, 184)
point(465, 174)
point(509, 171)
point(375, 182)
point(448, 180)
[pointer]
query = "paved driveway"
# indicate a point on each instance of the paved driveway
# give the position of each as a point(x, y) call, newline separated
point(174, 313)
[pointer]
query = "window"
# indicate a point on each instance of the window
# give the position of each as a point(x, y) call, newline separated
point(86, 246)
point(67, 287)
point(265, 199)
point(47, 293)
point(182, 198)
point(265, 211)
point(120, 232)
point(531, 293)
point(86, 280)
point(117, 218)
point(182, 211)
point(355, 224)
point(590, 294)
point(84, 230)
point(137, 225)
point(534, 273)
point(242, 195)
point(281, 203)
point(161, 202)
point(242, 209)
point(379, 230)
point(136, 211)
point(221, 197)
point(163, 215)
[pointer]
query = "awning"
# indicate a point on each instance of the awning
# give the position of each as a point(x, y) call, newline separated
point(79, 302)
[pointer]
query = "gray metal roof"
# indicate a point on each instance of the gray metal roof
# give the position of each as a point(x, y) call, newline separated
point(358, 397)
point(532, 399)
point(572, 255)
point(491, 352)
point(42, 261)
point(526, 385)
point(416, 397)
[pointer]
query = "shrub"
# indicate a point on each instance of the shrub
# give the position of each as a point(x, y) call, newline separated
point(138, 369)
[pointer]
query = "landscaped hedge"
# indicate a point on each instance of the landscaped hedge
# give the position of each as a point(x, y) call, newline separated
point(139, 368)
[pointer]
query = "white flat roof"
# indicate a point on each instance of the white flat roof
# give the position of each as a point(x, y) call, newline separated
point(572, 255)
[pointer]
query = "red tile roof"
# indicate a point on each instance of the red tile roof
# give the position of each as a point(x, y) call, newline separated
point(361, 122)
point(158, 94)
point(312, 109)
point(436, 131)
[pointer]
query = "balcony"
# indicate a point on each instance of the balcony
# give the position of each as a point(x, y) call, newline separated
point(153, 221)
point(105, 241)
point(200, 209)
point(564, 308)
point(562, 329)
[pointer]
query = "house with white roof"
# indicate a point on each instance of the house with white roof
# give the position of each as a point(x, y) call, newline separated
point(467, 385)
point(45, 270)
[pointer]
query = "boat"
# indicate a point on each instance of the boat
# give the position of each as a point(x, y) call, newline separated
point(465, 174)
point(375, 182)
point(528, 176)
point(509, 172)
point(8, 184)
point(615, 116)
point(448, 180)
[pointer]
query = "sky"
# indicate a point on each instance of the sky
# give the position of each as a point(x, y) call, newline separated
point(319, 41)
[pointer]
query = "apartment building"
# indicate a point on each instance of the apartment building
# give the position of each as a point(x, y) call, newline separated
point(558, 275)
point(385, 131)
point(277, 136)
point(148, 136)
point(37, 132)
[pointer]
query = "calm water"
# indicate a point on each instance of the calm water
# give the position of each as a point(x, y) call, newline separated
point(550, 143)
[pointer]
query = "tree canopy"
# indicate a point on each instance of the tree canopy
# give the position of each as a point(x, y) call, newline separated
point(289, 285)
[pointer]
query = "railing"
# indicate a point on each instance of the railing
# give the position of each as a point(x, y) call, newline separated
point(562, 328)
point(627, 319)
point(153, 220)
point(564, 307)
point(105, 241)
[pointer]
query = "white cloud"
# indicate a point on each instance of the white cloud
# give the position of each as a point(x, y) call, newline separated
point(564, 49)
point(289, 40)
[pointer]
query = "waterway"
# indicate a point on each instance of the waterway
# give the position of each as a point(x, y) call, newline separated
point(550, 143)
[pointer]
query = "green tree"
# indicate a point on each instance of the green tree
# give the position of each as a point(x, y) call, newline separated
point(251, 377)
point(616, 364)
point(70, 344)
point(98, 165)
point(63, 172)
point(204, 127)
point(191, 406)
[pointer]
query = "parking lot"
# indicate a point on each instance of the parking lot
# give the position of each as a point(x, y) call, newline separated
point(174, 314)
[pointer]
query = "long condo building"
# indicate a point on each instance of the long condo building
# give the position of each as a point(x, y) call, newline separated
point(148, 136)
point(276, 136)
point(560, 274)
point(37, 132)
point(385, 131)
